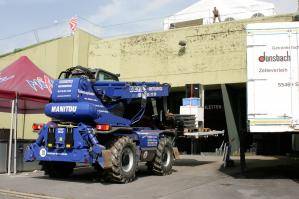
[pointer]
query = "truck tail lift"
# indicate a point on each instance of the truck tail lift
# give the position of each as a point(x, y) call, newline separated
point(100, 121)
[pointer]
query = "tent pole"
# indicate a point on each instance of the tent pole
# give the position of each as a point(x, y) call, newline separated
point(15, 136)
point(10, 135)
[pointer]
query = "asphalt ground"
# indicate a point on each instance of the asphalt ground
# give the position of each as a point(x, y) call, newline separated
point(192, 177)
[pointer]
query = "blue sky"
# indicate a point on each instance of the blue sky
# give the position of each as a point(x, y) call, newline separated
point(17, 16)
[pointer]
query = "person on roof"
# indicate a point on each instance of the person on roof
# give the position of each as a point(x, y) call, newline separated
point(216, 14)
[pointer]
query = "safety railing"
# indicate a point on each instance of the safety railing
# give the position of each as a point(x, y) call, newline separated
point(42, 34)
point(142, 26)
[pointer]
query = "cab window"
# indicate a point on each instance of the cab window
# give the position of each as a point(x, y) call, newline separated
point(106, 77)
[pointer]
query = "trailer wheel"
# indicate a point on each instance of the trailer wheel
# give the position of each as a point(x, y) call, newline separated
point(59, 169)
point(123, 157)
point(162, 164)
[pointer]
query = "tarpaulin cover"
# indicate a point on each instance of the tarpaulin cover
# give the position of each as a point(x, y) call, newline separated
point(229, 9)
point(25, 81)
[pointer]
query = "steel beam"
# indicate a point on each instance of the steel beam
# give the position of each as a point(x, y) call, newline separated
point(232, 129)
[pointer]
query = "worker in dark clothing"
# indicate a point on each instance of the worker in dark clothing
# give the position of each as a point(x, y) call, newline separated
point(216, 14)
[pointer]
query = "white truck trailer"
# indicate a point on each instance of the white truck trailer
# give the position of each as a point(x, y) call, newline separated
point(273, 79)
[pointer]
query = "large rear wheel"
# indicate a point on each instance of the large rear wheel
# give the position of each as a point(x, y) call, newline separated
point(123, 157)
point(162, 164)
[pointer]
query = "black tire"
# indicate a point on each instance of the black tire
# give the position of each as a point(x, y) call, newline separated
point(59, 169)
point(163, 161)
point(123, 158)
point(150, 165)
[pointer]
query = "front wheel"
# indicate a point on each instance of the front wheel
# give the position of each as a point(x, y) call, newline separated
point(162, 164)
point(123, 157)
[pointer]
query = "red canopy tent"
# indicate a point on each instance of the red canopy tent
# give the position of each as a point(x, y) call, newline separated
point(24, 88)
point(25, 81)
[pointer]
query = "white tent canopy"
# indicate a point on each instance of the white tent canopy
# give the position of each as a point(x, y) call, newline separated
point(228, 9)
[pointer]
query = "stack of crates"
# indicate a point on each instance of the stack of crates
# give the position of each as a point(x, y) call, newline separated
point(193, 106)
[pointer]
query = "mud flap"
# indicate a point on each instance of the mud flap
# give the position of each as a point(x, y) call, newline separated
point(106, 155)
point(176, 153)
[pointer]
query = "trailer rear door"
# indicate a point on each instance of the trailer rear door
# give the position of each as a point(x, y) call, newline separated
point(272, 72)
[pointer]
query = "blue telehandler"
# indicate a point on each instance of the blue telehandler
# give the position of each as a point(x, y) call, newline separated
point(108, 124)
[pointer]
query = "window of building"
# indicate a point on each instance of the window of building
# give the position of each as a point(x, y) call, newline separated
point(229, 19)
point(257, 15)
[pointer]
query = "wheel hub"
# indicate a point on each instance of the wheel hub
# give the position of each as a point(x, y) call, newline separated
point(166, 157)
point(127, 160)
